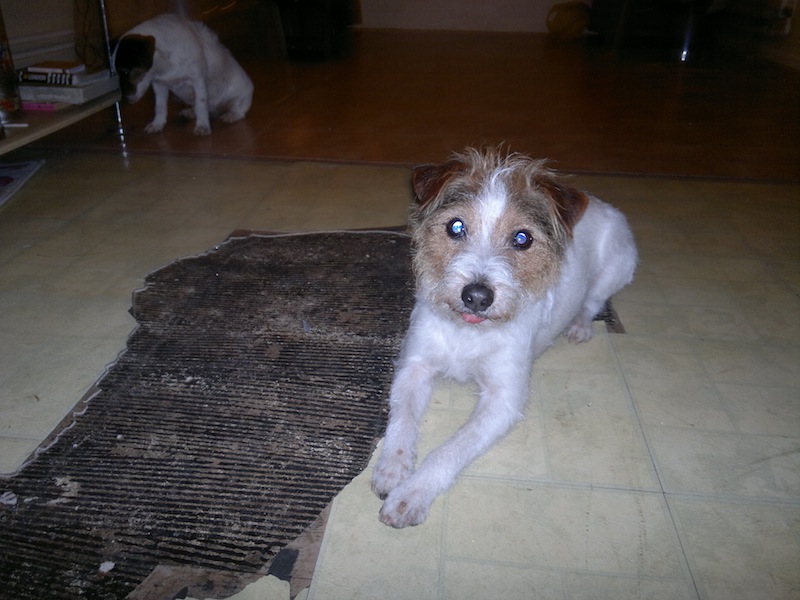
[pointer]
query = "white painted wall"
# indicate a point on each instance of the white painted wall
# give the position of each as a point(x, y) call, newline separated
point(39, 30)
point(462, 15)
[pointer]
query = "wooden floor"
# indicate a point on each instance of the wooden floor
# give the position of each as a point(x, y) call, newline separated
point(410, 97)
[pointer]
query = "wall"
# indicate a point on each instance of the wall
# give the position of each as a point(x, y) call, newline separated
point(40, 30)
point(465, 15)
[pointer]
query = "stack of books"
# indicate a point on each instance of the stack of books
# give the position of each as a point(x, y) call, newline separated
point(62, 82)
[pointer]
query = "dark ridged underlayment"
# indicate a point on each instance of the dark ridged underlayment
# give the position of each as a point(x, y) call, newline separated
point(251, 392)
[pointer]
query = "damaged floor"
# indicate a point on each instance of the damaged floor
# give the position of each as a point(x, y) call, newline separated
point(226, 427)
point(662, 463)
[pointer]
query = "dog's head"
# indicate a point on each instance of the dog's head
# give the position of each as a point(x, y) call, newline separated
point(133, 59)
point(490, 231)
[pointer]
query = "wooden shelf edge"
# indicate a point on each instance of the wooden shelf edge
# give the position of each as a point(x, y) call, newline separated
point(41, 124)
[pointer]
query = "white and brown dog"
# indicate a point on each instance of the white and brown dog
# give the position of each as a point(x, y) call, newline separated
point(506, 258)
point(172, 54)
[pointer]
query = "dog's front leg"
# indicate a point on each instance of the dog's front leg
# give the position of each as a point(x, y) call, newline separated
point(161, 93)
point(497, 412)
point(411, 392)
point(202, 126)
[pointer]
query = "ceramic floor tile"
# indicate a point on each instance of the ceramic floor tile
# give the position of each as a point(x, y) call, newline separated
point(15, 275)
point(78, 240)
point(49, 379)
point(697, 292)
point(69, 315)
point(750, 364)
point(699, 266)
point(772, 309)
point(712, 238)
point(789, 273)
point(305, 200)
point(592, 434)
point(19, 233)
point(727, 464)
point(467, 579)
point(363, 559)
point(266, 588)
point(656, 236)
point(77, 281)
point(572, 529)
point(594, 356)
point(763, 410)
point(13, 452)
point(596, 587)
point(53, 203)
point(741, 551)
point(685, 321)
point(668, 384)
point(647, 288)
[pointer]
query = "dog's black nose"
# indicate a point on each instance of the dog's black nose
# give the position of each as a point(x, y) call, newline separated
point(477, 297)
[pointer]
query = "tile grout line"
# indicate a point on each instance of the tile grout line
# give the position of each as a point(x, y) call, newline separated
point(651, 452)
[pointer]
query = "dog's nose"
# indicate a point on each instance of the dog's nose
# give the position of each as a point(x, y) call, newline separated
point(477, 297)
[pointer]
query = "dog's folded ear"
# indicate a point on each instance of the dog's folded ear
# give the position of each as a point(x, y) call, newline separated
point(135, 52)
point(568, 203)
point(428, 180)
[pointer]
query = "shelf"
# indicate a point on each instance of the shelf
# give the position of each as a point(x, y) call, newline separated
point(42, 123)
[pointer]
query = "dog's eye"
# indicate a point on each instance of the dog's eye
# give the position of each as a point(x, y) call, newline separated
point(522, 240)
point(456, 228)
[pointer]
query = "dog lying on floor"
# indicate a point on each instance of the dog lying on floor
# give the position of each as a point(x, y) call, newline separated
point(172, 54)
point(506, 258)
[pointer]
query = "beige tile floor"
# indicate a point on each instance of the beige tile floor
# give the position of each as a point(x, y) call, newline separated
point(663, 463)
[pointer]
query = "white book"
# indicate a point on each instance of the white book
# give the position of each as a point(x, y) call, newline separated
point(71, 94)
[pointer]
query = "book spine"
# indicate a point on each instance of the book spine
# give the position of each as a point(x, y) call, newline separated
point(26, 76)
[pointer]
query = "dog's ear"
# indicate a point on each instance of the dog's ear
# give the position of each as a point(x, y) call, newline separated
point(135, 51)
point(568, 203)
point(428, 180)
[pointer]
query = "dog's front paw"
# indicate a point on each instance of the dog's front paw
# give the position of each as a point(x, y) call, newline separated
point(579, 331)
point(407, 505)
point(202, 130)
point(391, 471)
point(154, 127)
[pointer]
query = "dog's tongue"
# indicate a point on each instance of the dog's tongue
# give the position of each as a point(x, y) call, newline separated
point(471, 318)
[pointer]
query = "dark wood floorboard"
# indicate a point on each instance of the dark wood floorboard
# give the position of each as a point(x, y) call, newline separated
point(404, 97)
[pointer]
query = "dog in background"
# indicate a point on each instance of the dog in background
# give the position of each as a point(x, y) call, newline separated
point(173, 54)
point(506, 258)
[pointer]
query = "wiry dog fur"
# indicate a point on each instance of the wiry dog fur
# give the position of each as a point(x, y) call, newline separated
point(172, 54)
point(506, 257)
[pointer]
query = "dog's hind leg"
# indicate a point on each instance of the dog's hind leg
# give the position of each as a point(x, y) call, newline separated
point(237, 108)
point(610, 281)
point(581, 330)
point(615, 259)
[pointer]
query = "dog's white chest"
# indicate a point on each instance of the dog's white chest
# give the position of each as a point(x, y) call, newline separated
point(463, 352)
